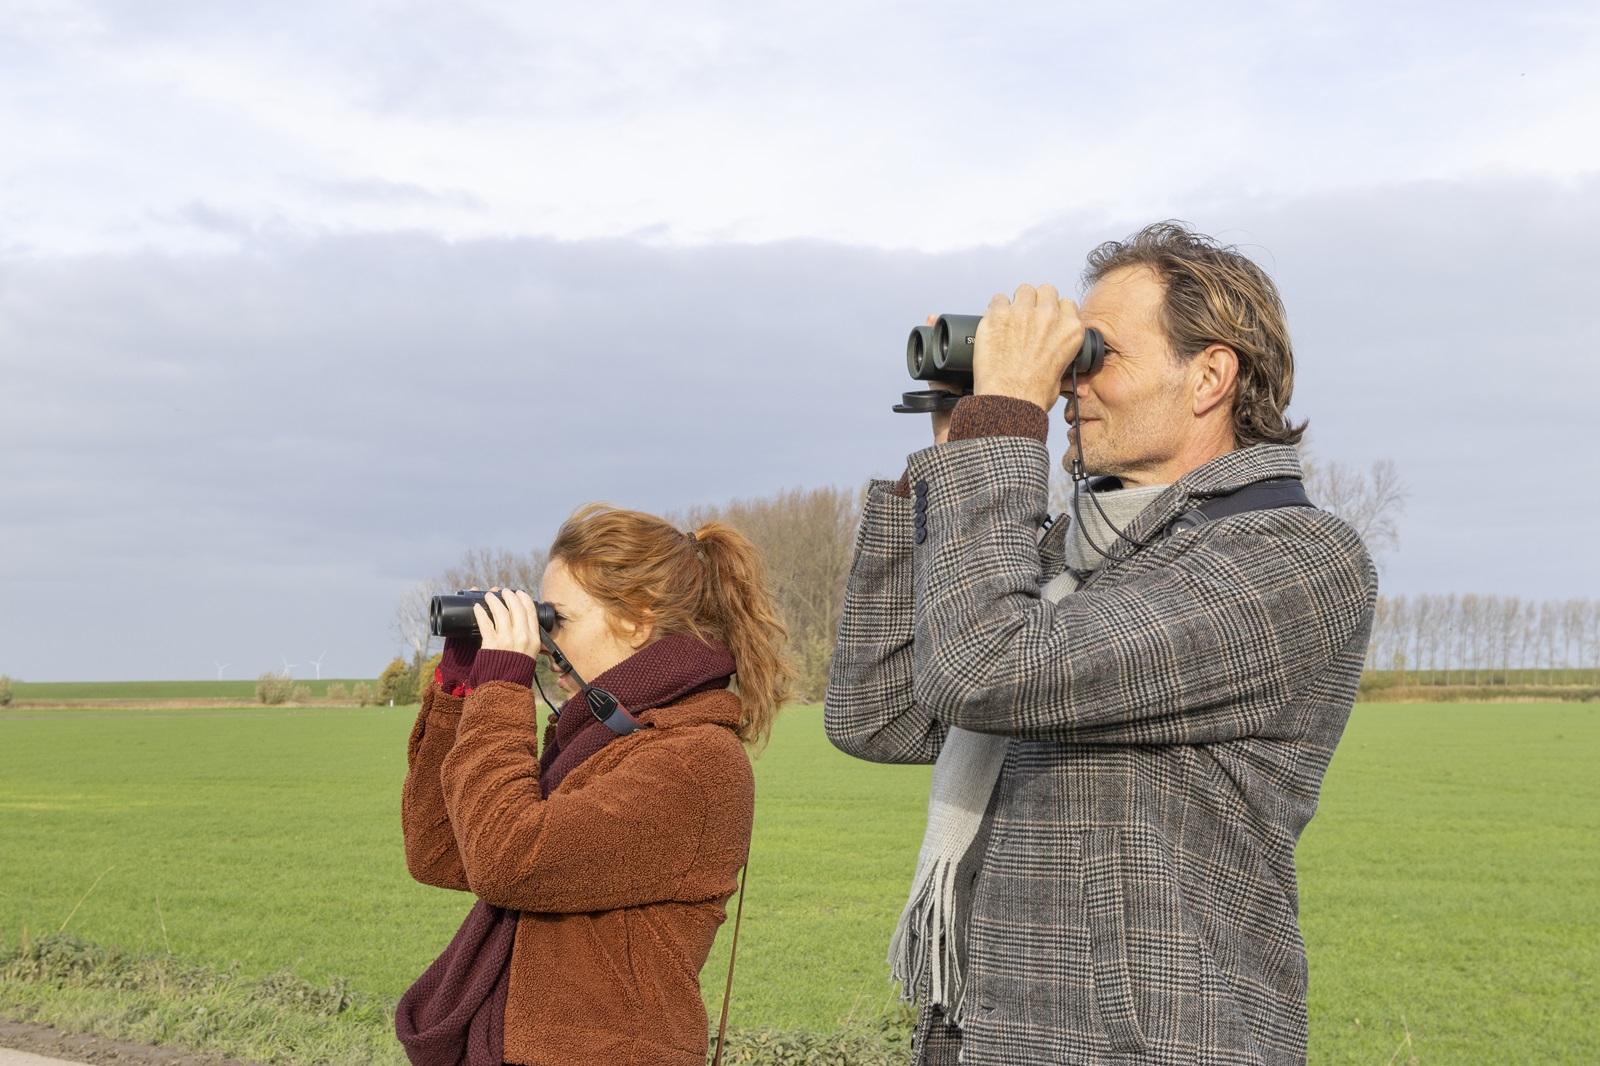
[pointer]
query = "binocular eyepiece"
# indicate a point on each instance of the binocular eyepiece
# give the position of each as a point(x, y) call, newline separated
point(451, 616)
point(943, 352)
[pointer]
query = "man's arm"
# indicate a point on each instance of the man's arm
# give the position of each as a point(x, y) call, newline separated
point(870, 711)
point(1216, 631)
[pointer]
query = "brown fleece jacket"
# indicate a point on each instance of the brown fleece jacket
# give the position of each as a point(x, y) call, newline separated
point(620, 875)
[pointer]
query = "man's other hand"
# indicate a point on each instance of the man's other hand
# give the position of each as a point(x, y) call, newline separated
point(1025, 344)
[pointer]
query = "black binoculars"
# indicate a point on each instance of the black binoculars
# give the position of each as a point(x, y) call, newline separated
point(943, 352)
point(451, 616)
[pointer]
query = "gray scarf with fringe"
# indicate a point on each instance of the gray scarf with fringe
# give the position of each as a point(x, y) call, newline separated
point(927, 953)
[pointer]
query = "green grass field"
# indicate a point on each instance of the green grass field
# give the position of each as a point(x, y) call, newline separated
point(1450, 884)
point(40, 691)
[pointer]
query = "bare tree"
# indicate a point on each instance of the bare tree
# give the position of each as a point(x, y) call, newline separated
point(1572, 616)
point(1370, 501)
point(411, 626)
point(1591, 640)
point(479, 567)
point(806, 538)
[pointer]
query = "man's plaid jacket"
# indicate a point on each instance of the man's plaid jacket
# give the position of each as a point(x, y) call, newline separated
point(1170, 725)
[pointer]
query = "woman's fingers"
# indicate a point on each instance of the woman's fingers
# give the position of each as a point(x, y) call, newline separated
point(498, 610)
point(485, 625)
point(520, 605)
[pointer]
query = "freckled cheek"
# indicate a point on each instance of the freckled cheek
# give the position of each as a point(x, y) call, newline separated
point(577, 652)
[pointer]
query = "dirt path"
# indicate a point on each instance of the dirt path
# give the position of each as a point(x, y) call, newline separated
point(44, 1040)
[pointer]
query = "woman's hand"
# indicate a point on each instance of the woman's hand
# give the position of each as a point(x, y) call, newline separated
point(509, 622)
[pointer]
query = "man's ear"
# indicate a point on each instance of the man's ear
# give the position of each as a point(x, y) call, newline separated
point(1215, 372)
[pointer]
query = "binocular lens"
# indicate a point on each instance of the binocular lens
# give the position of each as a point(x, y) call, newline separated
point(451, 616)
point(956, 336)
point(919, 353)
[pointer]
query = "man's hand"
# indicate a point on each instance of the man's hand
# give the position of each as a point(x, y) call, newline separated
point(1025, 344)
point(509, 622)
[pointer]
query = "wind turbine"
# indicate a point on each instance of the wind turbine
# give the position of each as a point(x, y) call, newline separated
point(317, 662)
point(288, 667)
point(220, 667)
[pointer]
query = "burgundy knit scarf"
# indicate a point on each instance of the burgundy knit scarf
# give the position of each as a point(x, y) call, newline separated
point(454, 1014)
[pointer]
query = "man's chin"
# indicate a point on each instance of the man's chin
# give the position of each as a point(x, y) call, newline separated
point(1090, 466)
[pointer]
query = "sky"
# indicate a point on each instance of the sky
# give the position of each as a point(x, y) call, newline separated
point(298, 302)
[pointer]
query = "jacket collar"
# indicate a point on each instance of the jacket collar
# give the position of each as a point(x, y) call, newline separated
point(716, 706)
point(1222, 475)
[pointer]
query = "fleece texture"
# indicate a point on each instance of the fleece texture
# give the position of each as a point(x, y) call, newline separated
point(620, 875)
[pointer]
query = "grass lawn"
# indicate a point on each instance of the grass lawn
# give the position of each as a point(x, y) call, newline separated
point(41, 691)
point(1450, 885)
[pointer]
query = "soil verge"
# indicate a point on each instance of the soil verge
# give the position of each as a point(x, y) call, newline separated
point(101, 1050)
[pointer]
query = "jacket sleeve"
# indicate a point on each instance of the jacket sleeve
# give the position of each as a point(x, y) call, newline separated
point(1206, 640)
point(431, 853)
point(870, 711)
point(628, 837)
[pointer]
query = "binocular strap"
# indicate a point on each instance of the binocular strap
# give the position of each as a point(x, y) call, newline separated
point(733, 951)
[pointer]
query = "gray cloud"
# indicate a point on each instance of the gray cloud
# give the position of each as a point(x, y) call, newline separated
point(247, 456)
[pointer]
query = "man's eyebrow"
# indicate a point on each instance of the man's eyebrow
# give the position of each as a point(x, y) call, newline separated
point(1107, 334)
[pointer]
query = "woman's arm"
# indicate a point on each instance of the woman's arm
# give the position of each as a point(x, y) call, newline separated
point(431, 852)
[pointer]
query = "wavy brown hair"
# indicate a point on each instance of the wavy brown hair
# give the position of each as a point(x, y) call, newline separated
point(713, 586)
point(1215, 295)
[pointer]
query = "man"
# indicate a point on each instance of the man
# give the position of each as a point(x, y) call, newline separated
point(1130, 716)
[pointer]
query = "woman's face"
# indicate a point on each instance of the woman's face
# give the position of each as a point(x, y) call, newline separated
point(591, 638)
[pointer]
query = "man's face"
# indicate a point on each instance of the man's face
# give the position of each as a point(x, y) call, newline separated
point(1136, 409)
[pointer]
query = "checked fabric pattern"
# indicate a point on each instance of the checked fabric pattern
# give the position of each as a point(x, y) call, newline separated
point(1170, 725)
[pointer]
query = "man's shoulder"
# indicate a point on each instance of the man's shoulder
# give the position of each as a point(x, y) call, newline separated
point(1284, 548)
point(1302, 530)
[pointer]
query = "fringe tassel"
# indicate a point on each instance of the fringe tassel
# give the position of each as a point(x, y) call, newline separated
point(924, 943)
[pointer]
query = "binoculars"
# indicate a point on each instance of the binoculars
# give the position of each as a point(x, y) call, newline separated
point(943, 352)
point(451, 616)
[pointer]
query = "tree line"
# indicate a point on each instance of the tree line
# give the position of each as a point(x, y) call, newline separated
point(1472, 639)
point(807, 538)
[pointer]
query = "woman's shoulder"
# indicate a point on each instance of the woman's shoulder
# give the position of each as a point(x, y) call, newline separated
point(701, 731)
point(713, 709)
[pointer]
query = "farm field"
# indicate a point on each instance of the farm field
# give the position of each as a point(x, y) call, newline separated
point(1450, 886)
point(76, 691)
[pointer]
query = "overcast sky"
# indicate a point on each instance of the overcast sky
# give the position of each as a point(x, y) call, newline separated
point(300, 301)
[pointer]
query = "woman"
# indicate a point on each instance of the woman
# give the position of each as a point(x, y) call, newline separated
point(601, 865)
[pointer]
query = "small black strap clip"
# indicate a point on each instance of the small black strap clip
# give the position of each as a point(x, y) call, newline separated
point(610, 711)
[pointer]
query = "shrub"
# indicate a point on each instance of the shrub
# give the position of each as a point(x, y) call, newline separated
point(425, 675)
point(363, 694)
point(398, 682)
point(300, 694)
point(5, 690)
point(337, 693)
point(273, 689)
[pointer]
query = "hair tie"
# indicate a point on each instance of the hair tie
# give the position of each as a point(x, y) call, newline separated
point(692, 538)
